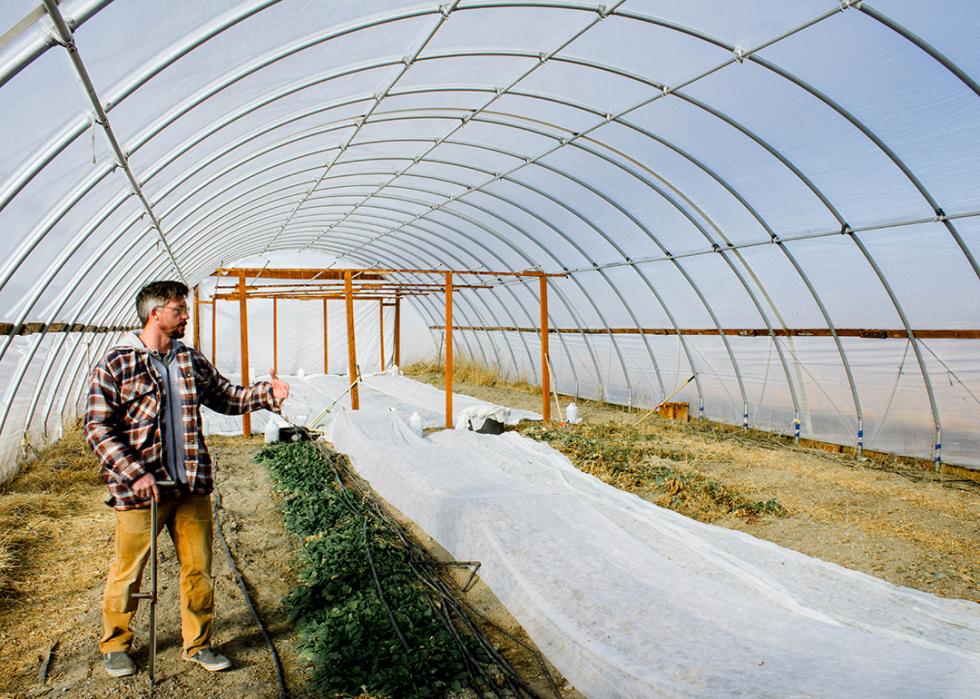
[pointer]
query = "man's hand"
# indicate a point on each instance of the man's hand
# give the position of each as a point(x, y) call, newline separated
point(280, 389)
point(146, 487)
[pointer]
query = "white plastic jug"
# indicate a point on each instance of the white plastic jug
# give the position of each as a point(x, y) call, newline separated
point(571, 414)
point(271, 432)
point(415, 422)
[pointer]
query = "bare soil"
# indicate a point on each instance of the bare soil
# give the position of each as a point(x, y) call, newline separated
point(60, 598)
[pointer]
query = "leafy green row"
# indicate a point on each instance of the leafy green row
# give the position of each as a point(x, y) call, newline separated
point(344, 629)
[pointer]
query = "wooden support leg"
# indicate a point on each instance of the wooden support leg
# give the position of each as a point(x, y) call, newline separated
point(275, 335)
point(449, 349)
point(398, 331)
point(243, 325)
point(545, 357)
point(381, 325)
point(214, 330)
point(197, 318)
point(326, 340)
point(355, 402)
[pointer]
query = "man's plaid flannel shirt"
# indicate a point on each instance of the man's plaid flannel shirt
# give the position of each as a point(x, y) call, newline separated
point(126, 404)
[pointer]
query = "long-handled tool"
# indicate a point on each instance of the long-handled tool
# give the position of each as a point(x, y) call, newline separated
point(554, 388)
point(657, 406)
point(152, 594)
point(323, 414)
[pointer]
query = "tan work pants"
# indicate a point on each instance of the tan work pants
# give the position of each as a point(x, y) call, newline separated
point(188, 519)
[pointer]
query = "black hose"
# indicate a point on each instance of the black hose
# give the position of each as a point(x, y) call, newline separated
point(280, 677)
point(381, 594)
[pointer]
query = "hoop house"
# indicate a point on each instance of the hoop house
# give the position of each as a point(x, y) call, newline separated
point(779, 200)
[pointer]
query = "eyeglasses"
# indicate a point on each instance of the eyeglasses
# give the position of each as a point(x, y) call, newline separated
point(179, 310)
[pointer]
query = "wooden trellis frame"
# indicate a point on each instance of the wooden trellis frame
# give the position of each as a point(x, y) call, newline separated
point(352, 285)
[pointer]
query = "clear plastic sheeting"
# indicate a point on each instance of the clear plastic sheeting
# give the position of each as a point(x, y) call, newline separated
point(628, 599)
point(717, 171)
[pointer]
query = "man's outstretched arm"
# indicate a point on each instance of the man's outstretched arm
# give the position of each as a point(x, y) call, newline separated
point(221, 395)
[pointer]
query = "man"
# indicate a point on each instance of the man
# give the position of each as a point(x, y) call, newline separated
point(143, 422)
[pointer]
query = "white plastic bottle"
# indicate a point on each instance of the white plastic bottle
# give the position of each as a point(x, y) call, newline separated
point(415, 422)
point(571, 414)
point(271, 432)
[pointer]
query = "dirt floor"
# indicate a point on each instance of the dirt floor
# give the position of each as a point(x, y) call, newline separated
point(57, 594)
point(888, 517)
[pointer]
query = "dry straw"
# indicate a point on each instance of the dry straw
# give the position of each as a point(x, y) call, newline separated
point(62, 476)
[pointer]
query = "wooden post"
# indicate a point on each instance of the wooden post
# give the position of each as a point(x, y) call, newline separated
point(449, 349)
point(197, 318)
point(243, 326)
point(381, 325)
point(398, 331)
point(326, 340)
point(214, 328)
point(275, 334)
point(545, 357)
point(355, 402)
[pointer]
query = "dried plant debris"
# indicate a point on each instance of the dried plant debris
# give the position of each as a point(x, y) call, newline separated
point(634, 459)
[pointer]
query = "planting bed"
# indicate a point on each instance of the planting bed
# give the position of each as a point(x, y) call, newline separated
point(371, 612)
point(886, 516)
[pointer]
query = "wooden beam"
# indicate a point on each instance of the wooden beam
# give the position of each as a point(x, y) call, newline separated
point(197, 318)
point(293, 273)
point(320, 286)
point(381, 325)
point(864, 333)
point(368, 273)
point(58, 327)
point(355, 402)
point(339, 296)
point(214, 330)
point(326, 339)
point(243, 328)
point(449, 350)
point(275, 335)
point(545, 358)
point(398, 331)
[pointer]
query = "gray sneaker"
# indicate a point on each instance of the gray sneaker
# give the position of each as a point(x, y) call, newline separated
point(118, 663)
point(209, 659)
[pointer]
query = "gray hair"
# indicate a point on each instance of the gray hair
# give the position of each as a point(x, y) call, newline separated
point(157, 294)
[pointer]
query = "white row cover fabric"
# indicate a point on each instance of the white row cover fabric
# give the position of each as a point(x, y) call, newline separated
point(628, 599)
point(689, 165)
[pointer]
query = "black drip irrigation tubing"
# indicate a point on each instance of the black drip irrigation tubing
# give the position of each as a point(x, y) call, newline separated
point(215, 507)
point(381, 594)
point(422, 564)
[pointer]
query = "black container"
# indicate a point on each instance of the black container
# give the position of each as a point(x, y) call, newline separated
point(294, 433)
point(490, 426)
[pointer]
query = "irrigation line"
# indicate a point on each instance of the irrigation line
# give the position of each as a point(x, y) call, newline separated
point(346, 497)
point(447, 598)
point(381, 594)
point(467, 607)
point(215, 506)
point(422, 565)
point(442, 610)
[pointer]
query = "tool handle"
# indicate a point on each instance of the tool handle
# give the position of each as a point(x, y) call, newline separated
point(168, 483)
